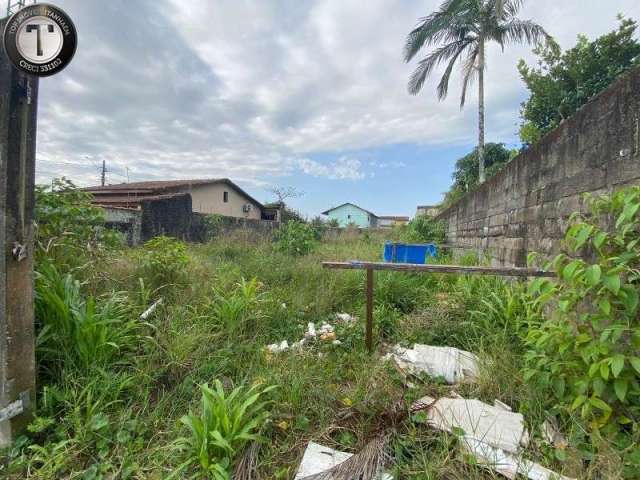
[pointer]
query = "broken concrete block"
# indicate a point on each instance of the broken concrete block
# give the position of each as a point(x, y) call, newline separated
point(450, 363)
point(311, 331)
point(505, 463)
point(283, 346)
point(495, 426)
point(344, 317)
point(318, 459)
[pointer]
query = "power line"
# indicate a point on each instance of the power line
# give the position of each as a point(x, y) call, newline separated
point(14, 6)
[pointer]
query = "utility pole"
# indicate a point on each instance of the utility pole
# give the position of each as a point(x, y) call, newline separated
point(18, 115)
point(103, 175)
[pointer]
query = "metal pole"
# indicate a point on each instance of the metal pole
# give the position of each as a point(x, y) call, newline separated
point(369, 333)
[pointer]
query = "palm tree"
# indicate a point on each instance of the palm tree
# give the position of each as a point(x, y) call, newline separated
point(459, 30)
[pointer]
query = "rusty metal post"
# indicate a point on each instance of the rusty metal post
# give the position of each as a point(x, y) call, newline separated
point(369, 332)
point(18, 110)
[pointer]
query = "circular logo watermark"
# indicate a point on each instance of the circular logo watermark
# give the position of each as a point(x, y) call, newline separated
point(40, 39)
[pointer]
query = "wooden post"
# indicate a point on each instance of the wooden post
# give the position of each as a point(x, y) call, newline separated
point(370, 267)
point(18, 109)
point(369, 333)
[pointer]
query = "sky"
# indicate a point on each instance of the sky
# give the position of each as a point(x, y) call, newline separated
point(278, 93)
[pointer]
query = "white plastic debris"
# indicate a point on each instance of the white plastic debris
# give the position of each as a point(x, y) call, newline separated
point(336, 342)
point(149, 311)
point(507, 464)
point(283, 346)
point(493, 425)
point(318, 458)
point(450, 363)
point(311, 331)
point(344, 317)
point(325, 328)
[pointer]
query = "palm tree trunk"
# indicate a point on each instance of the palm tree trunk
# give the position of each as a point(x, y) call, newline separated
point(481, 112)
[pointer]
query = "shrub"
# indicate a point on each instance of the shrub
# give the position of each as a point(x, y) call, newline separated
point(295, 238)
point(426, 229)
point(226, 423)
point(164, 261)
point(67, 225)
point(587, 351)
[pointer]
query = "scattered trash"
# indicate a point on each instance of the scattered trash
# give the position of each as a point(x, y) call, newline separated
point(325, 328)
point(551, 434)
point(326, 333)
point(493, 434)
point(320, 462)
point(311, 331)
point(149, 311)
point(450, 363)
point(495, 425)
point(507, 464)
point(283, 346)
point(344, 317)
point(328, 337)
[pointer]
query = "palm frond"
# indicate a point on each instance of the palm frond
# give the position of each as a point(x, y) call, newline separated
point(426, 65)
point(469, 72)
point(519, 31)
point(440, 26)
point(368, 464)
point(247, 467)
point(443, 86)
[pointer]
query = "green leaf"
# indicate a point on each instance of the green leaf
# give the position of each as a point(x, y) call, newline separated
point(612, 283)
point(635, 363)
point(617, 364)
point(599, 404)
point(621, 386)
point(604, 370)
point(599, 239)
point(580, 399)
point(593, 274)
point(570, 270)
point(605, 306)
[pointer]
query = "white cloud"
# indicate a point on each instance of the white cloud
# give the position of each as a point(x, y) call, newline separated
point(252, 89)
point(344, 168)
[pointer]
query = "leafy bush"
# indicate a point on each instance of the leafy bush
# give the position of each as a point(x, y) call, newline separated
point(587, 351)
point(426, 229)
point(226, 423)
point(68, 226)
point(79, 331)
point(319, 227)
point(295, 238)
point(164, 261)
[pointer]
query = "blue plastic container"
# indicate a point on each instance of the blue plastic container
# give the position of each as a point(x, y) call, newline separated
point(409, 253)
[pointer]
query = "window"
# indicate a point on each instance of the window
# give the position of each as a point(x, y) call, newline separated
point(225, 197)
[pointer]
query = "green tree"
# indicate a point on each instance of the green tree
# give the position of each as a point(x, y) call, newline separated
point(563, 82)
point(465, 175)
point(459, 31)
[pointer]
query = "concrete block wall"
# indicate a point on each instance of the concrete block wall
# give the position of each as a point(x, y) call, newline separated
point(526, 206)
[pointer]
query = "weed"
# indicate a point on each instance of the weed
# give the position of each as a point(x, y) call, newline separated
point(225, 424)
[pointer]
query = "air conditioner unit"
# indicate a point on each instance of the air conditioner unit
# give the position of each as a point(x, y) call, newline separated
point(246, 208)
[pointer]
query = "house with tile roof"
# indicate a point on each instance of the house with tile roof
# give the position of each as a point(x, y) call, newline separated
point(218, 196)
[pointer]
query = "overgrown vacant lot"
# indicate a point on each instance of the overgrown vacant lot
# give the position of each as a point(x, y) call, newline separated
point(115, 391)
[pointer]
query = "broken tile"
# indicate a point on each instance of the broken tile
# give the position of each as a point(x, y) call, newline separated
point(505, 463)
point(495, 426)
point(318, 458)
point(450, 363)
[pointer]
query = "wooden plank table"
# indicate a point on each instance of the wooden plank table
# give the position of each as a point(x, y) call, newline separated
point(370, 267)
